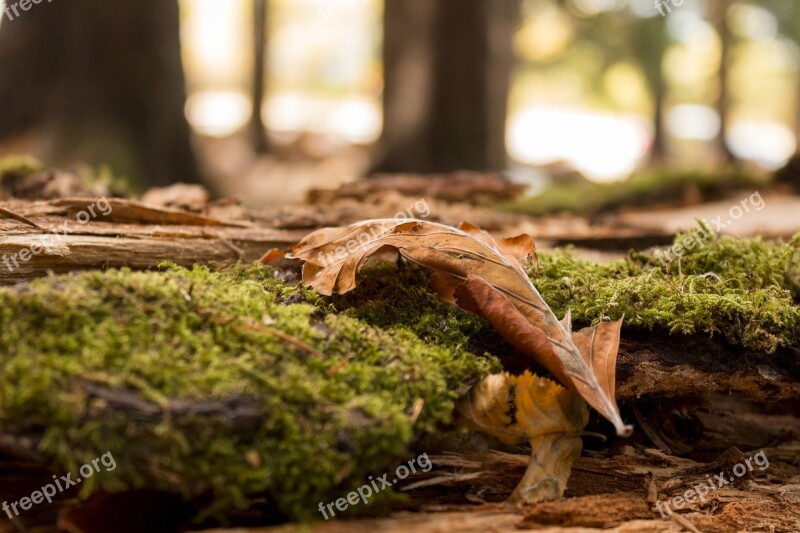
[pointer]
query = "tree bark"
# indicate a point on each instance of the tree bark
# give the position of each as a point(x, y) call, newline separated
point(100, 82)
point(448, 66)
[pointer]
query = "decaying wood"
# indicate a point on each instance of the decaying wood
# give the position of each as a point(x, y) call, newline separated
point(684, 391)
point(671, 366)
point(141, 235)
point(616, 493)
point(131, 235)
point(473, 187)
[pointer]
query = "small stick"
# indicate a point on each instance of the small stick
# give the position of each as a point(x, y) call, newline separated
point(253, 326)
point(19, 218)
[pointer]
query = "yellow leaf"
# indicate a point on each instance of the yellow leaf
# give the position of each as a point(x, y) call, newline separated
point(530, 408)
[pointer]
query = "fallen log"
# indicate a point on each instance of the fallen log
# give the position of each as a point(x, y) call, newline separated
point(67, 235)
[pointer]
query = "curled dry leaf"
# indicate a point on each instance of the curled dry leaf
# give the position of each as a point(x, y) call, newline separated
point(529, 408)
point(480, 274)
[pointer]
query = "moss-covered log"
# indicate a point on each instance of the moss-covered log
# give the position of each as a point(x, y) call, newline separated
point(746, 290)
point(188, 379)
point(234, 385)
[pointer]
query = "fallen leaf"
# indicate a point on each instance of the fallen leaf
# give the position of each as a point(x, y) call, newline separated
point(530, 408)
point(484, 276)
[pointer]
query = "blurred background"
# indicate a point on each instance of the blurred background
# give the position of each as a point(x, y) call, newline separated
point(266, 99)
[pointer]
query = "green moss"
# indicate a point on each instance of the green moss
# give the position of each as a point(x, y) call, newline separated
point(388, 297)
point(739, 288)
point(646, 187)
point(309, 427)
point(19, 165)
point(102, 177)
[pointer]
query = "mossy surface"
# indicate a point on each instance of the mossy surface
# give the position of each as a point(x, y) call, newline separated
point(654, 186)
point(14, 168)
point(313, 427)
point(18, 165)
point(743, 289)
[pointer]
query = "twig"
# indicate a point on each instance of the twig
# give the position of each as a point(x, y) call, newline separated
point(19, 218)
point(443, 480)
point(332, 371)
point(416, 410)
point(254, 326)
point(238, 251)
point(651, 433)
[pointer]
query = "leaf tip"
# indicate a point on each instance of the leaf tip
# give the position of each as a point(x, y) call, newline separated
point(272, 255)
point(624, 430)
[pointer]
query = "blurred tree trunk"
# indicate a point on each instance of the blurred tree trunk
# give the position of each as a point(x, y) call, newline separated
point(722, 104)
point(789, 174)
point(788, 15)
point(257, 130)
point(448, 66)
point(100, 81)
point(660, 150)
point(652, 41)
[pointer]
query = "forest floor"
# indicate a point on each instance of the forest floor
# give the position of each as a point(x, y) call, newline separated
point(704, 403)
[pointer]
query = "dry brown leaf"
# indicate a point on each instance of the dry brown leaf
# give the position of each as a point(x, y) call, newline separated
point(529, 408)
point(481, 275)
